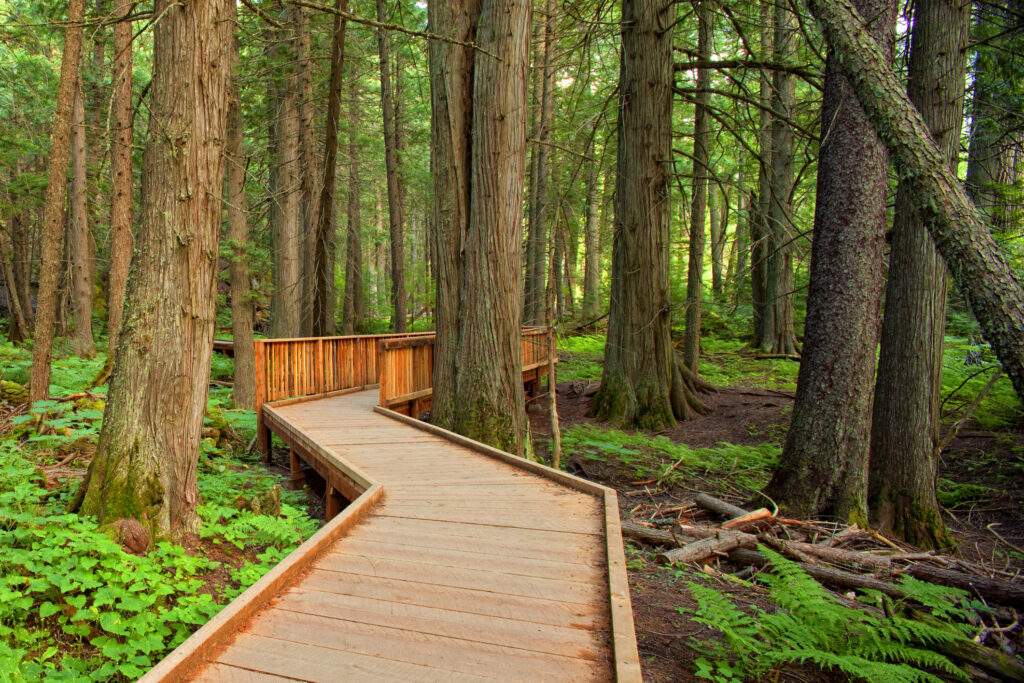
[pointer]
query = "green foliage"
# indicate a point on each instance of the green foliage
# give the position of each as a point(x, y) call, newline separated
point(950, 494)
point(729, 362)
point(962, 382)
point(73, 604)
point(580, 357)
point(809, 625)
point(647, 457)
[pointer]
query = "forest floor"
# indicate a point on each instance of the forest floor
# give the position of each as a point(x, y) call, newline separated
point(728, 453)
point(988, 465)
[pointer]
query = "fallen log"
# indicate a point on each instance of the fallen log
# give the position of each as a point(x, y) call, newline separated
point(995, 590)
point(652, 536)
point(722, 542)
point(829, 575)
point(724, 509)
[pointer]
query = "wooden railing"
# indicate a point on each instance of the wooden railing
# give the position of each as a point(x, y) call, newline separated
point(403, 365)
point(407, 369)
point(313, 366)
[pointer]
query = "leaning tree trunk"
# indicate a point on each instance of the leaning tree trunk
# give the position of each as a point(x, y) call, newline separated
point(322, 294)
point(451, 98)
point(121, 238)
point(396, 210)
point(242, 307)
point(53, 206)
point(905, 427)
point(974, 259)
point(699, 200)
point(145, 464)
point(643, 381)
point(824, 464)
point(489, 383)
point(79, 250)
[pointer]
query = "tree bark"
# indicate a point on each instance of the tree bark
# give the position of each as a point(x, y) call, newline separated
point(974, 259)
point(324, 243)
point(121, 237)
point(643, 382)
point(759, 228)
point(242, 307)
point(396, 213)
point(285, 236)
point(53, 206)
point(145, 468)
point(591, 249)
point(719, 224)
point(309, 224)
point(699, 200)
point(17, 331)
point(489, 384)
point(778, 332)
point(353, 313)
point(537, 230)
point(823, 468)
point(79, 244)
point(451, 87)
point(905, 426)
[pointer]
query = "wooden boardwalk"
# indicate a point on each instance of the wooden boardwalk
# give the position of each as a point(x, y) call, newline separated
point(454, 562)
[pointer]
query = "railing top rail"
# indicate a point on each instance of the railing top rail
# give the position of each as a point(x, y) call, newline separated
point(391, 335)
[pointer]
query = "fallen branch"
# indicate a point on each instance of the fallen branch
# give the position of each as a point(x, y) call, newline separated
point(996, 590)
point(724, 509)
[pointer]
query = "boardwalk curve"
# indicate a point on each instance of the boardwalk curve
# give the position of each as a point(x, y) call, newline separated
point(455, 561)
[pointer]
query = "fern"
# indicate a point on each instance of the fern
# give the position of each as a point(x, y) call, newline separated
point(811, 626)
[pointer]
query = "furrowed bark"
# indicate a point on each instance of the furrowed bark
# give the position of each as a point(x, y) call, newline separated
point(974, 259)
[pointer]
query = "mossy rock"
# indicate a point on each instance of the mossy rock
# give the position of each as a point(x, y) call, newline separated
point(13, 393)
point(268, 503)
point(87, 403)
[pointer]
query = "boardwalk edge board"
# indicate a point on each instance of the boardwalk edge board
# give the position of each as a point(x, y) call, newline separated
point(198, 649)
point(627, 658)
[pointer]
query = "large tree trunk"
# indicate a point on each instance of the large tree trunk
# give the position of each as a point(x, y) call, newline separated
point(396, 212)
point(537, 231)
point(972, 256)
point(591, 242)
point(308, 168)
point(451, 88)
point(353, 307)
point(285, 236)
point(80, 246)
point(121, 238)
point(823, 468)
point(719, 224)
point(699, 200)
point(242, 307)
point(325, 247)
point(905, 427)
point(778, 331)
point(489, 383)
point(145, 468)
point(53, 206)
point(643, 382)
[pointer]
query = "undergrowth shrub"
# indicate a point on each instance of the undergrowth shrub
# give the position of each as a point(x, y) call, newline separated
point(646, 457)
point(809, 625)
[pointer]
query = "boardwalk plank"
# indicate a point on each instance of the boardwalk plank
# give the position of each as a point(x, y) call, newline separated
point(309, 663)
point(440, 651)
point(222, 673)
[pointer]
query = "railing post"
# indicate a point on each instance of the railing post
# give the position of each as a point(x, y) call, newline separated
point(382, 371)
point(318, 368)
point(259, 352)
